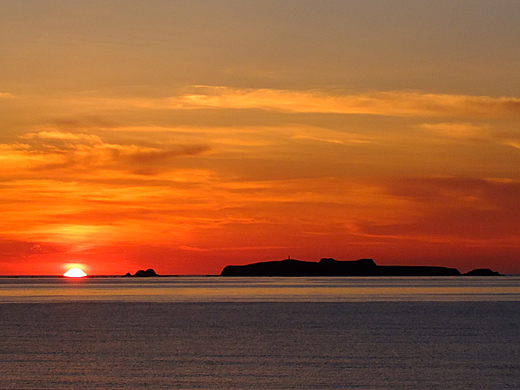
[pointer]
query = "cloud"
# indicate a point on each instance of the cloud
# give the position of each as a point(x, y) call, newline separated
point(514, 144)
point(453, 209)
point(383, 103)
point(5, 95)
point(329, 136)
point(19, 249)
point(88, 122)
point(393, 103)
point(50, 150)
point(458, 130)
point(59, 142)
point(473, 132)
point(155, 156)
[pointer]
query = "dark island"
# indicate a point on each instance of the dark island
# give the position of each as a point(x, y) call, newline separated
point(332, 267)
point(142, 274)
point(482, 272)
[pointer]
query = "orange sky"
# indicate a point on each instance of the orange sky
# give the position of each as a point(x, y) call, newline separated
point(186, 136)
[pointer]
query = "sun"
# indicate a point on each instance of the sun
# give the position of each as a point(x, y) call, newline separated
point(75, 273)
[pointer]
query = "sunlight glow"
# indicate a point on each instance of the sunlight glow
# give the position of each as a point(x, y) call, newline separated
point(75, 273)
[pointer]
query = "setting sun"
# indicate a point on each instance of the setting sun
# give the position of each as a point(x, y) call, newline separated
point(75, 273)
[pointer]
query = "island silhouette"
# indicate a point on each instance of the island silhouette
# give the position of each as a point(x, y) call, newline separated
point(332, 267)
point(142, 273)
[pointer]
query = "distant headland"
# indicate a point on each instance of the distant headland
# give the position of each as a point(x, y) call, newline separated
point(332, 267)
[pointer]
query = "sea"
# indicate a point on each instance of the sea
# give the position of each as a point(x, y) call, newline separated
point(208, 333)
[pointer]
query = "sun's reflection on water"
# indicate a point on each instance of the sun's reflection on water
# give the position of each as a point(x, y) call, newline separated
point(216, 289)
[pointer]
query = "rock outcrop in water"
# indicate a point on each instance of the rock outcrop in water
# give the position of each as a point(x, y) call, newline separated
point(482, 272)
point(142, 274)
point(332, 267)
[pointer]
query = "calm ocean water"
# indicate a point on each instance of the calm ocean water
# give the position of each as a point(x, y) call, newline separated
point(260, 333)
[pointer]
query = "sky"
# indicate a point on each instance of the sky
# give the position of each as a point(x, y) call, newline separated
point(188, 135)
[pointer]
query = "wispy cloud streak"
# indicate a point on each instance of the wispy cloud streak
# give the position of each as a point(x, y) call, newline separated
point(382, 103)
point(47, 150)
point(393, 103)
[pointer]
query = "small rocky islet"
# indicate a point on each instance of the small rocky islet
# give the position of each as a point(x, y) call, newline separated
point(142, 273)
